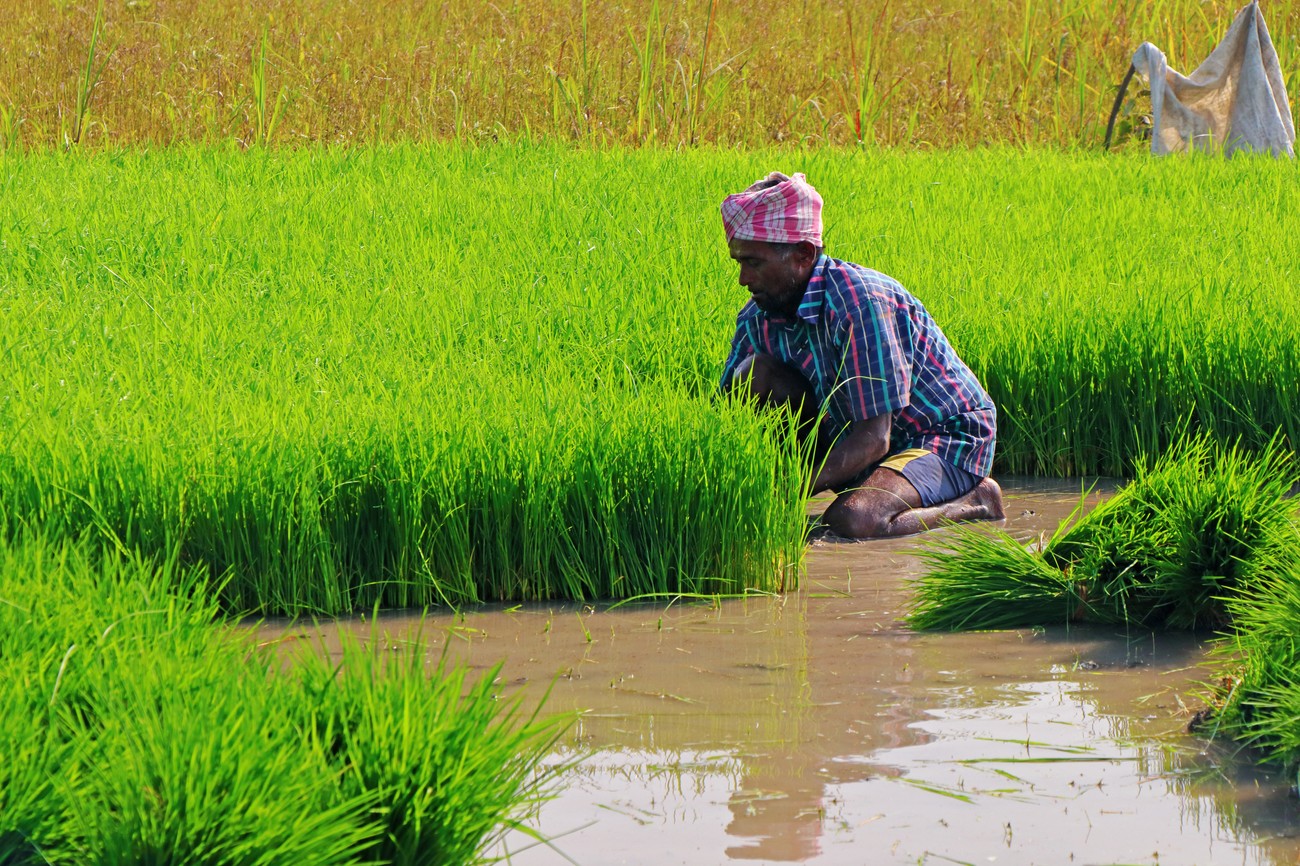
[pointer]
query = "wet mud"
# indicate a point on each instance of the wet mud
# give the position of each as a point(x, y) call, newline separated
point(816, 728)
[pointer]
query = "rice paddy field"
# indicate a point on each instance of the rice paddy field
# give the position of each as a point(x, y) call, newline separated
point(441, 375)
point(317, 308)
point(135, 731)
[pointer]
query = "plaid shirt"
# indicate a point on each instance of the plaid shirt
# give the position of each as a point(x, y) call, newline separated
point(869, 347)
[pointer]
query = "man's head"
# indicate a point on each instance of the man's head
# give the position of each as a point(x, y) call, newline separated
point(775, 274)
point(774, 231)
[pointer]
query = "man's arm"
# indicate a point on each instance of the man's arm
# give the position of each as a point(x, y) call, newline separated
point(865, 443)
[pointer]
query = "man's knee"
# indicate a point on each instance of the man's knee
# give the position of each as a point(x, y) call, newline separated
point(870, 510)
point(770, 380)
point(861, 516)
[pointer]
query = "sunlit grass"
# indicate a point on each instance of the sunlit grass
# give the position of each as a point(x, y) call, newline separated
point(1201, 526)
point(138, 730)
point(446, 375)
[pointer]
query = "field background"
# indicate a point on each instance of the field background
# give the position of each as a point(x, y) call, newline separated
point(420, 303)
point(907, 73)
point(448, 374)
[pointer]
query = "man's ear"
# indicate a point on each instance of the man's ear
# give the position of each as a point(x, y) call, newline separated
point(807, 253)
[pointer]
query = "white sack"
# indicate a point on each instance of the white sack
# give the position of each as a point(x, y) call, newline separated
point(1236, 99)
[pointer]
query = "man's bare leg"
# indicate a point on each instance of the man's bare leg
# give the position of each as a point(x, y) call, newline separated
point(887, 506)
point(776, 386)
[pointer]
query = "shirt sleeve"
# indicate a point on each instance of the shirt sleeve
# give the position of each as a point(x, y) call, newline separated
point(741, 348)
point(875, 375)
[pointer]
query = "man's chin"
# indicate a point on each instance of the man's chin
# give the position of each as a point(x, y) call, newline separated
point(769, 306)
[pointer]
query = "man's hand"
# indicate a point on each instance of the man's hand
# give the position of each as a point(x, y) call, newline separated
point(864, 444)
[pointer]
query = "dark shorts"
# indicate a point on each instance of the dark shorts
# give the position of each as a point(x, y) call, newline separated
point(934, 478)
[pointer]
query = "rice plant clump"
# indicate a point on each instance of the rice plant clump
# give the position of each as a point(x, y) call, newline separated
point(1199, 526)
point(34, 754)
point(138, 731)
point(441, 766)
point(990, 581)
point(1256, 699)
point(193, 764)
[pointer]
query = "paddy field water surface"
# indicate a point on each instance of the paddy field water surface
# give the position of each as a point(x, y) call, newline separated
point(815, 727)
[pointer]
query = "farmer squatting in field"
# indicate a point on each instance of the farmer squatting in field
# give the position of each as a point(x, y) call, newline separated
point(906, 432)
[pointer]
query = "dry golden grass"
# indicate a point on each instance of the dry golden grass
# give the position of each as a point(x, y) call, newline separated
point(911, 72)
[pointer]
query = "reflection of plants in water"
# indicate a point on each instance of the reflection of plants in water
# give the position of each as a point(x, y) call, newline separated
point(670, 773)
point(1220, 784)
point(1205, 535)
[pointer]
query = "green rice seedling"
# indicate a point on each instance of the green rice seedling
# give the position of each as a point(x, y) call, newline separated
point(1256, 692)
point(35, 754)
point(445, 765)
point(59, 606)
point(338, 377)
point(11, 123)
point(1114, 551)
point(991, 581)
point(266, 109)
point(1191, 531)
point(139, 731)
point(30, 667)
point(1202, 525)
point(861, 92)
point(651, 65)
point(196, 761)
point(1230, 533)
point(89, 78)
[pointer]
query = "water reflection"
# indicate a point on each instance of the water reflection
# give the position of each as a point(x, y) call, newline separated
point(815, 728)
point(1038, 773)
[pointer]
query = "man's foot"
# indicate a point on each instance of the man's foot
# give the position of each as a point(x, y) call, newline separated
point(988, 495)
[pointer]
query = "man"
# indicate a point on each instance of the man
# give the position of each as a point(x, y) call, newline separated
point(904, 433)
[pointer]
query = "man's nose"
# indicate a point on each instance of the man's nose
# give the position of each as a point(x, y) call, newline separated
point(744, 277)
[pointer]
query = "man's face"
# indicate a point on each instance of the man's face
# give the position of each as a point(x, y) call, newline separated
point(775, 276)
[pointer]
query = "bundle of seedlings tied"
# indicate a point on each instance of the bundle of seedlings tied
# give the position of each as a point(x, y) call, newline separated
point(1196, 528)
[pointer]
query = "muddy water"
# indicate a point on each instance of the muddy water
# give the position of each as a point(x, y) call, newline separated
point(815, 728)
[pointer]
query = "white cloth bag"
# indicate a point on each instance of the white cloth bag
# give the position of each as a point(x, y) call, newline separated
point(1236, 99)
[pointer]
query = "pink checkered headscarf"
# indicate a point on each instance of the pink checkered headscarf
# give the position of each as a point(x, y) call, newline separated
point(777, 209)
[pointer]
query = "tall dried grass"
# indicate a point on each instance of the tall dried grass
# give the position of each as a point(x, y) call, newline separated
point(897, 72)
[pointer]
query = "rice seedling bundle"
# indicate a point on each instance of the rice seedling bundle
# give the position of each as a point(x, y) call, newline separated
point(991, 581)
point(137, 731)
point(1256, 698)
point(445, 374)
point(1199, 527)
point(933, 74)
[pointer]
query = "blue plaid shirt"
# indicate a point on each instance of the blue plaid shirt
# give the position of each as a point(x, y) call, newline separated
point(869, 347)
